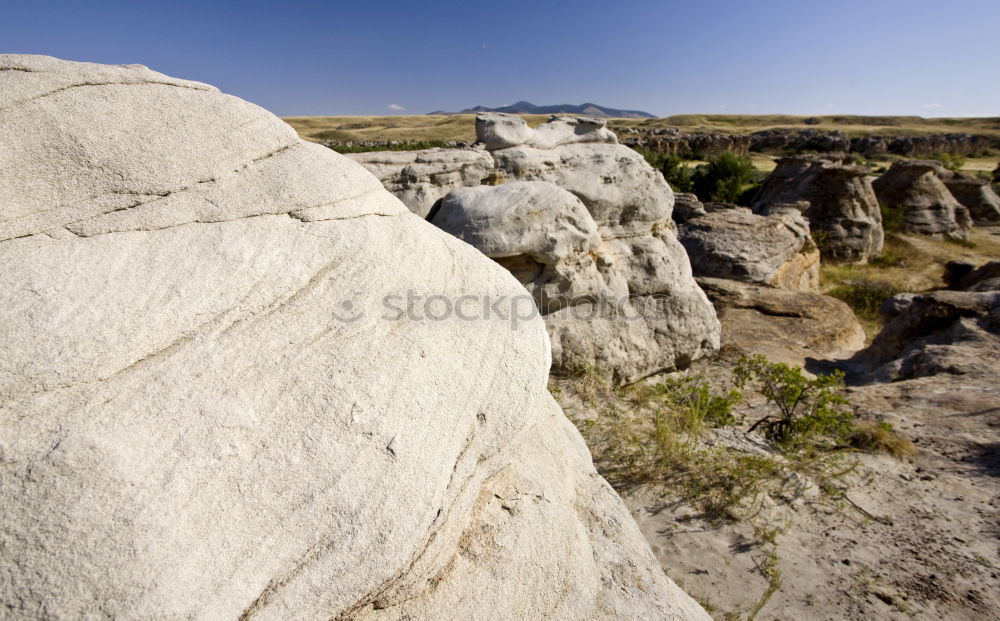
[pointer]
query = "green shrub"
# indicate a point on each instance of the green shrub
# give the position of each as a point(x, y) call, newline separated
point(673, 167)
point(811, 413)
point(951, 161)
point(724, 178)
point(677, 174)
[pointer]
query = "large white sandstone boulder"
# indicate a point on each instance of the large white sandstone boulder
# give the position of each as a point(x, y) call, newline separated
point(532, 218)
point(208, 411)
point(624, 194)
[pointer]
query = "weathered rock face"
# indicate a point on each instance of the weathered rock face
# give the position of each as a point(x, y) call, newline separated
point(954, 332)
point(837, 199)
point(976, 195)
point(687, 206)
point(532, 218)
point(623, 193)
point(604, 300)
point(735, 243)
point(786, 326)
point(421, 178)
point(206, 413)
point(916, 188)
point(967, 277)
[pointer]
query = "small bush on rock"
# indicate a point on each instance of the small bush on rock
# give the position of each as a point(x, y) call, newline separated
point(693, 397)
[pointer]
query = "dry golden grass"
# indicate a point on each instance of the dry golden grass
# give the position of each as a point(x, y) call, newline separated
point(462, 127)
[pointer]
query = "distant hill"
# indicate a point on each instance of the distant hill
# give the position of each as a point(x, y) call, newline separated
point(587, 109)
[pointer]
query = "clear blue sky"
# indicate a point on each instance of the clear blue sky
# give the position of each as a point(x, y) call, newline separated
point(667, 57)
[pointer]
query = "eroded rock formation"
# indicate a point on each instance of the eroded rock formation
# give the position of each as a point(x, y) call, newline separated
point(787, 326)
point(421, 178)
point(620, 296)
point(837, 199)
point(916, 188)
point(205, 412)
point(735, 243)
point(976, 195)
point(943, 332)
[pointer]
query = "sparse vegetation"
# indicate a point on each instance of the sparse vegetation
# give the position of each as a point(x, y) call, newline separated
point(959, 241)
point(694, 438)
point(674, 432)
point(769, 569)
point(880, 437)
point(865, 296)
point(693, 397)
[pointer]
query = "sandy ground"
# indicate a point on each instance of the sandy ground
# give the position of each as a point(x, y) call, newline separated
point(918, 538)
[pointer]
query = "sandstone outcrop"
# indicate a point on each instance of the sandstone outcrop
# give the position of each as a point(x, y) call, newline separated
point(836, 198)
point(206, 413)
point(735, 243)
point(421, 178)
point(622, 192)
point(965, 276)
point(643, 312)
point(605, 300)
point(943, 332)
point(976, 195)
point(687, 206)
point(915, 187)
point(787, 326)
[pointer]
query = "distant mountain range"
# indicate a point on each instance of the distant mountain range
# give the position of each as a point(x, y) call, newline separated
point(587, 109)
